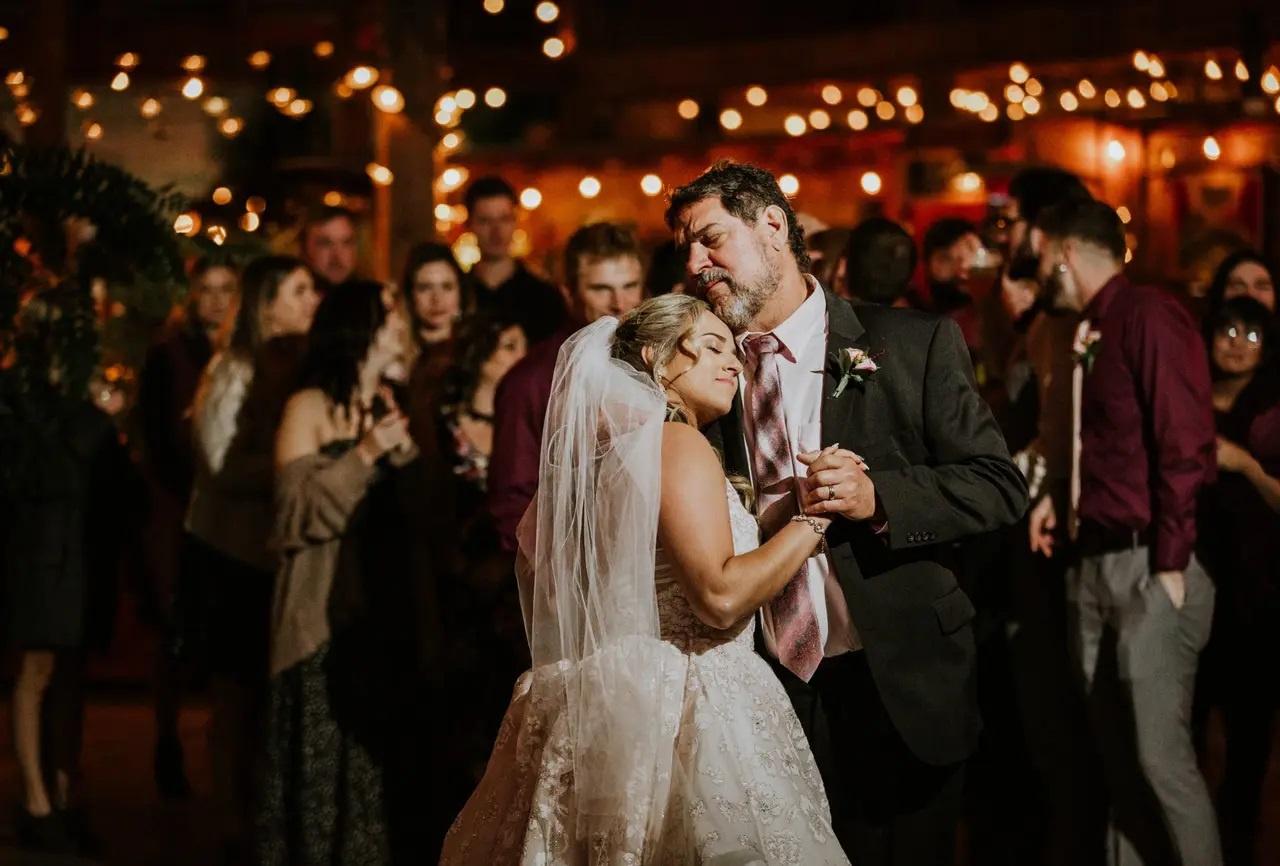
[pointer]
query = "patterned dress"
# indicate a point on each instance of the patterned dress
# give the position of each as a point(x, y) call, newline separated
point(743, 787)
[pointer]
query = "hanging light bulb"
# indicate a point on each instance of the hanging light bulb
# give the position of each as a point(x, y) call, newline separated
point(465, 98)
point(688, 109)
point(1212, 150)
point(871, 182)
point(216, 106)
point(1019, 73)
point(150, 107)
point(120, 82)
point(857, 120)
point(82, 99)
point(379, 174)
point(914, 113)
point(1242, 71)
point(546, 12)
point(1212, 70)
point(360, 77)
point(731, 119)
point(530, 198)
point(93, 130)
point(250, 221)
point(1068, 101)
point(1086, 88)
point(260, 60)
point(553, 47)
point(1115, 150)
point(819, 119)
point(281, 96)
point(832, 95)
point(193, 62)
point(192, 88)
point(128, 60)
point(231, 126)
point(323, 49)
point(222, 195)
point(651, 185)
point(795, 125)
point(495, 97)
point(589, 187)
point(789, 184)
point(757, 95)
point(388, 99)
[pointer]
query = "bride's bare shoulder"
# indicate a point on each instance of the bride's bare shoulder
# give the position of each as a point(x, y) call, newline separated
point(683, 442)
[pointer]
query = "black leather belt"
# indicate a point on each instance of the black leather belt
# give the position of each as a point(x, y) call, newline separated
point(1096, 540)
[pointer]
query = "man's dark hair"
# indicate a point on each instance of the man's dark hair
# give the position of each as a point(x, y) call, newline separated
point(1093, 222)
point(944, 233)
point(744, 190)
point(489, 186)
point(320, 216)
point(599, 241)
point(1041, 187)
point(1218, 287)
point(880, 260)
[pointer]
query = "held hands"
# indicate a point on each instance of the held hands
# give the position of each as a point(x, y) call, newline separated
point(1044, 520)
point(1233, 458)
point(837, 483)
point(390, 433)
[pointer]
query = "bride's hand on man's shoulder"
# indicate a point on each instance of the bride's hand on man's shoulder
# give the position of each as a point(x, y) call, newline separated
point(837, 484)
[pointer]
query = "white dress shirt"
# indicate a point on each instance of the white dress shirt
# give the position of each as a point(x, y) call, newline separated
point(801, 361)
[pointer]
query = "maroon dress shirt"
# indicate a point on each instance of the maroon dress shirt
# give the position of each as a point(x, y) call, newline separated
point(1146, 420)
point(520, 409)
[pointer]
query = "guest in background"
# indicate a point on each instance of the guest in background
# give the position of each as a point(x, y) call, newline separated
point(604, 276)
point(436, 296)
point(879, 261)
point(1142, 602)
point(1240, 548)
point(166, 389)
point(329, 246)
point(224, 597)
point(499, 280)
point(1243, 273)
point(666, 271)
point(826, 256)
point(334, 660)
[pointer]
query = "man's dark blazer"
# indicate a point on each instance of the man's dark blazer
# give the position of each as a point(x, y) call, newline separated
point(941, 473)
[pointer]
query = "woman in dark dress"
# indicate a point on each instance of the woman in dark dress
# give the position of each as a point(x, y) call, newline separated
point(339, 635)
point(1239, 543)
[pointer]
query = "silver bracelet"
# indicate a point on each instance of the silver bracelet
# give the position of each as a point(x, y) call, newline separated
point(816, 527)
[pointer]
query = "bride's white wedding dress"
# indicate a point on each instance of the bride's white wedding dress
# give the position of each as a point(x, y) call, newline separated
point(732, 780)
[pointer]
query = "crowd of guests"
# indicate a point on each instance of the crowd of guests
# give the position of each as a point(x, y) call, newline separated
point(334, 472)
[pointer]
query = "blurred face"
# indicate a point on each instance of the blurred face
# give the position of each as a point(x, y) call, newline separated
point(702, 376)
point(1056, 274)
point(607, 287)
point(391, 340)
point(510, 349)
point(952, 265)
point(731, 264)
point(330, 249)
point(1252, 280)
point(1237, 349)
point(493, 220)
point(213, 296)
point(437, 297)
point(294, 306)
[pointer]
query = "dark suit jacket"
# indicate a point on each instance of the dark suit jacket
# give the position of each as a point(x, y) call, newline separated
point(941, 472)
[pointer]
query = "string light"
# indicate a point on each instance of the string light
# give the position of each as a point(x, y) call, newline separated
point(1271, 81)
point(255, 204)
point(187, 223)
point(1068, 101)
point(1112, 98)
point(222, 195)
point(977, 102)
point(26, 115)
point(300, 107)
point(857, 120)
point(120, 82)
point(1015, 111)
point(13, 79)
point(871, 183)
point(651, 185)
point(553, 47)
point(530, 198)
point(1115, 150)
point(1135, 98)
point(1159, 92)
point(757, 95)
point(361, 77)
point(82, 99)
point(1031, 105)
point(333, 198)
point(323, 49)
point(546, 12)
point(216, 106)
point(832, 95)
point(885, 110)
point(1140, 61)
point(969, 182)
point(465, 98)
point(1212, 70)
point(795, 125)
point(493, 7)
point(192, 88)
point(217, 234)
point(443, 212)
point(989, 114)
point(379, 174)
point(868, 96)
point(914, 113)
point(128, 60)
point(451, 140)
point(789, 184)
point(1167, 158)
point(688, 108)
point(193, 62)
point(907, 96)
point(1242, 71)
point(93, 131)
point(589, 187)
point(495, 97)
point(1212, 150)
point(388, 99)
point(231, 126)
point(1014, 93)
point(1019, 73)
point(1123, 213)
point(452, 178)
point(150, 107)
point(1034, 87)
point(20, 91)
point(1156, 69)
point(260, 60)
point(1086, 88)
point(250, 221)
point(731, 119)
point(819, 119)
point(281, 96)
point(4, 33)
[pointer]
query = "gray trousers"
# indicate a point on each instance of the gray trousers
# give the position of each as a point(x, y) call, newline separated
point(1138, 656)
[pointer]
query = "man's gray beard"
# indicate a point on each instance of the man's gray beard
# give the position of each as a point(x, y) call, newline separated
point(745, 301)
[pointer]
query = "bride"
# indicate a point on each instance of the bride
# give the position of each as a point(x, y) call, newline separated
point(648, 730)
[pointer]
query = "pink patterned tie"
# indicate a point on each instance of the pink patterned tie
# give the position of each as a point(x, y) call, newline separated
point(795, 624)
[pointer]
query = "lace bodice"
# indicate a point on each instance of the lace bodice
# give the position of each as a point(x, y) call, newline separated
point(680, 626)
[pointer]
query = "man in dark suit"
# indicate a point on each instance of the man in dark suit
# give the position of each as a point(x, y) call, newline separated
point(872, 639)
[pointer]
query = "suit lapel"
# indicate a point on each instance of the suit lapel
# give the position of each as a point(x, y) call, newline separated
point(844, 331)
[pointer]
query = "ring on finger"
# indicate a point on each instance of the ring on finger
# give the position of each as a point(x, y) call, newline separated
point(831, 492)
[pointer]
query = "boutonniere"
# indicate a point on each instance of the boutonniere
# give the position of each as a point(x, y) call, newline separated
point(1085, 348)
point(852, 365)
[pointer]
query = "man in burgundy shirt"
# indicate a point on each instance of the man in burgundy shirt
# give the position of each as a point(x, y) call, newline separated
point(1141, 606)
point(604, 276)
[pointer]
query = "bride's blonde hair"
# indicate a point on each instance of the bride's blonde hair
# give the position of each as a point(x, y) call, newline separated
point(663, 325)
